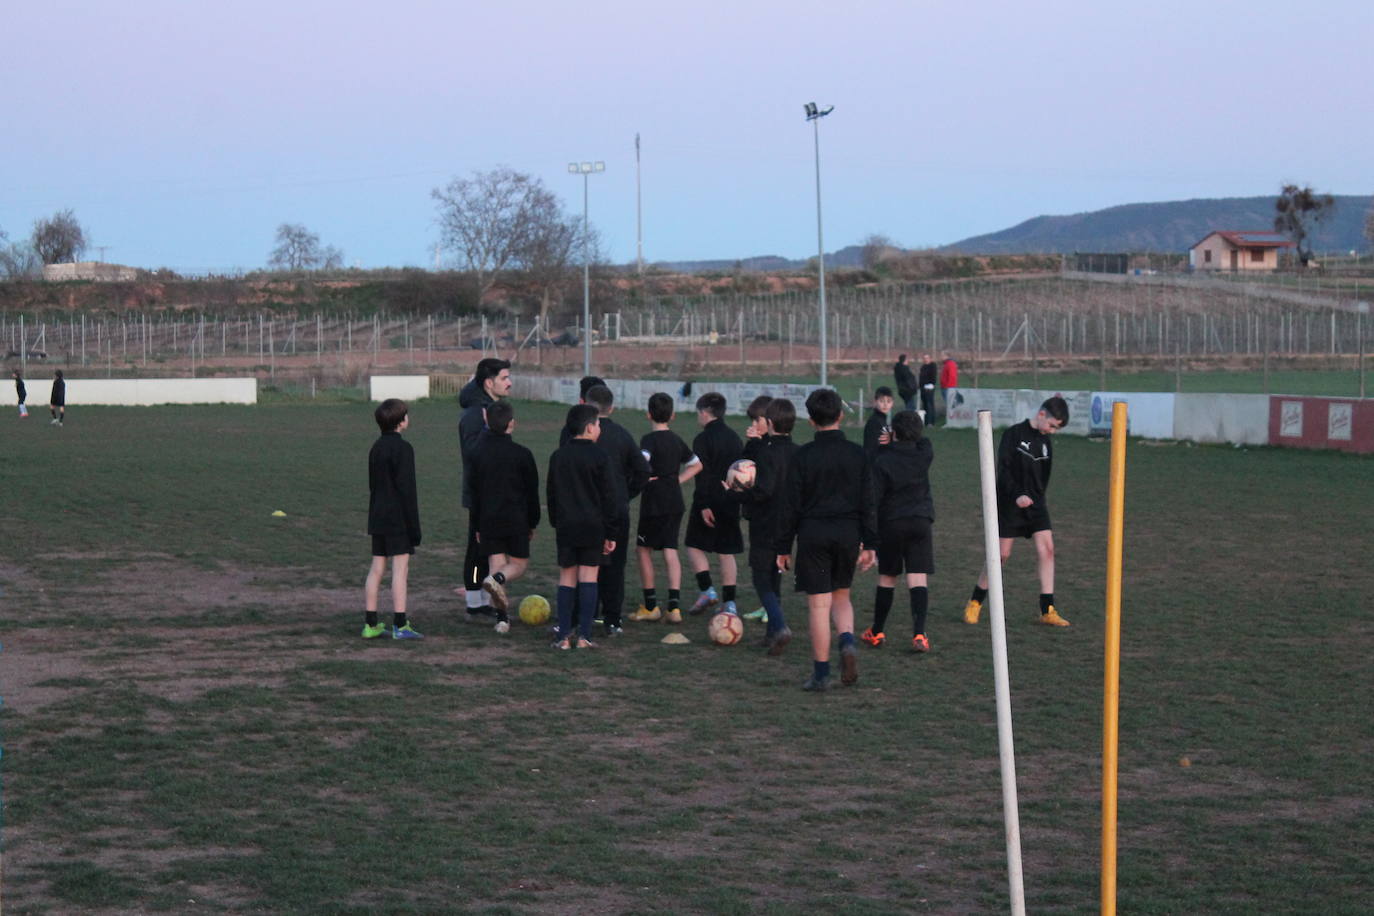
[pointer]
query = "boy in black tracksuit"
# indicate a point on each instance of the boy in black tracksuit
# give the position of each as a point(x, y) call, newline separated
point(772, 455)
point(22, 393)
point(713, 524)
point(629, 474)
point(755, 440)
point(1023, 474)
point(671, 464)
point(393, 518)
point(582, 510)
point(505, 500)
point(901, 491)
point(829, 509)
point(878, 429)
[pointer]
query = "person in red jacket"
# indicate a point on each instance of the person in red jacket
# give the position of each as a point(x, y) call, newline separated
point(949, 380)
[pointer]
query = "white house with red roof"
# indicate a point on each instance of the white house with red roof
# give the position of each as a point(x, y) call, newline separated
point(1237, 251)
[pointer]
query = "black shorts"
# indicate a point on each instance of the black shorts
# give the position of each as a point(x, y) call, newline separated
point(1015, 522)
point(658, 532)
point(906, 543)
point(512, 545)
point(576, 554)
point(391, 545)
point(826, 556)
point(725, 537)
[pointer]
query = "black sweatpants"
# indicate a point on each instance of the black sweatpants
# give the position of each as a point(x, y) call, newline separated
point(474, 564)
point(610, 580)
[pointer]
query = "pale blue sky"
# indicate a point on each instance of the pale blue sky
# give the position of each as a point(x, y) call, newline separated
point(183, 133)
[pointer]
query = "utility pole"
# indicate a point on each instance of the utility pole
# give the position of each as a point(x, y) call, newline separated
point(639, 215)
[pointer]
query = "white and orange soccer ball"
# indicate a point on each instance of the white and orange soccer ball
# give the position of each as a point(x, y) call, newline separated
point(741, 475)
point(725, 629)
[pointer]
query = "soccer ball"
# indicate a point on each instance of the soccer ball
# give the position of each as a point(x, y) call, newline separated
point(534, 610)
point(726, 629)
point(741, 475)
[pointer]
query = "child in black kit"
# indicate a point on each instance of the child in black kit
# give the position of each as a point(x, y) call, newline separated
point(1023, 474)
point(505, 501)
point(772, 456)
point(901, 491)
point(671, 464)
point(393, 518)
point(713, 523)
point(828, 509)
point(581, 499)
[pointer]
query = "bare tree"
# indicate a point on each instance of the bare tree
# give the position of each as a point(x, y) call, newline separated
point(492, 220)
point(331, 258)
point(1298, 211)
point(59, 238)
point(297, 248)
point(18, 260)
point(556, 247)
point(878, 248)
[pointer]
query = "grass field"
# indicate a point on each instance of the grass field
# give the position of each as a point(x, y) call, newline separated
point(191, 723)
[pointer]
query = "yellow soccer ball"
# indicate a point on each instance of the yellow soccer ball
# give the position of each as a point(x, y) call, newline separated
point(534, 610)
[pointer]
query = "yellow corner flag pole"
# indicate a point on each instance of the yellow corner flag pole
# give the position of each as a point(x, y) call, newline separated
point(1116, 513)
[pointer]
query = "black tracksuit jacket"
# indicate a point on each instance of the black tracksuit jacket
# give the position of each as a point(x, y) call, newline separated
point(580, 493)
point(1024, 457)
point(901, 482)
point(505, 486)
point(829, 480)
point(718, 446)
point(393, 507)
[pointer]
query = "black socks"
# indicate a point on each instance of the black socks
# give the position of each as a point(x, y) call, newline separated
point(674, 599)
point(370, 618)
point(920, 602)
point(650, 598)
point(1046, 599)
point(704, 579)
point(980, 595)
point(882, 604)
point(727, 593)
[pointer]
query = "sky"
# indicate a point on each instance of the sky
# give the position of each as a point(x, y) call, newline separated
point(182, 134)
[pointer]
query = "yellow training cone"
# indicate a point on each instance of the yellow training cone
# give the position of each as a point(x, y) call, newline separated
point(279, 514)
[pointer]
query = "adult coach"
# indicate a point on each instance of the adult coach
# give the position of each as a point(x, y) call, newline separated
point(905, 380)
point(490, 383)
point(930, 376)
point(949, 380)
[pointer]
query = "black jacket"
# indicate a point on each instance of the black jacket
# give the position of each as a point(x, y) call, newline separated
point(763, 501)
point(930, 375)
point(581, 494)
point(666, 454)
point(828, 481)
point(20, 390)
point(905, 379)
point(58, 398)
point(472, 425)
point(901, 481)
point(393, 507)
point(877, 421)
point(505, 486)
point(718, 446)
point(1024, 457)
point(629, 469)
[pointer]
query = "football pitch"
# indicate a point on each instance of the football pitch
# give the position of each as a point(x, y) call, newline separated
point(192, 723)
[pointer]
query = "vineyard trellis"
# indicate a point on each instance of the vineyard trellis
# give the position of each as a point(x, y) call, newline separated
point(1034, 319)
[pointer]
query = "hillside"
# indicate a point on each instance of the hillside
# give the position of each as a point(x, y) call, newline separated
point(1171, 226)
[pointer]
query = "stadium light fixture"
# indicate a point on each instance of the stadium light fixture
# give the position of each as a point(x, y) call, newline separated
point(814, 115)
point(586, 169)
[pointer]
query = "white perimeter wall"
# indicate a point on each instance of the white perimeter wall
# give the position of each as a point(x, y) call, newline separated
point(633, 394)
point(145, 392)
point(405, 387)
point(1239, 418)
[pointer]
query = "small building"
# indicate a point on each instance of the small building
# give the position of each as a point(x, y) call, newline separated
point(89, 270)
point(1238, 251)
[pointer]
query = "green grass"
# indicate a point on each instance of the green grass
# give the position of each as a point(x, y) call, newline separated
point(189, 713)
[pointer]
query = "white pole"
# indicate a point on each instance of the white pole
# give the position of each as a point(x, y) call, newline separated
point(997, 620)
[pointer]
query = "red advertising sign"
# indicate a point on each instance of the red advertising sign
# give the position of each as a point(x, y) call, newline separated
point(1341, 423)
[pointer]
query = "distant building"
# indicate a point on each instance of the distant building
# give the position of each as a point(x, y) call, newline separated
point(88, 270)
point(1238, 251)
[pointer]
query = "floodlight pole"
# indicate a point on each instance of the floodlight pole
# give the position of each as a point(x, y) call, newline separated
point(814, 115)
point(585, 169)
